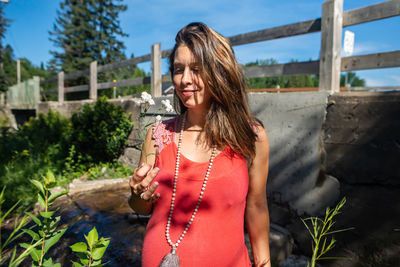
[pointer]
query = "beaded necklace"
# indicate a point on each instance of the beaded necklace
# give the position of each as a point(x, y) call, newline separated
point(171, 259)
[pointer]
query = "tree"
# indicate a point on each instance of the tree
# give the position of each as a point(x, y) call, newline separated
point(353, 80)
point(27, 69)
point(294, 81)
point(85, 31)
point(4, 23)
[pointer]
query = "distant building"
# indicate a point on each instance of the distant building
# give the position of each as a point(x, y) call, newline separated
point(167, 88)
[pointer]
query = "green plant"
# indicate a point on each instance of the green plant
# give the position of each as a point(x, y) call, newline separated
point(47, 130)
point(90, 254)
point(13, 235)
point(47, 233)
point(320, 230)
point(100, 131)
point(4, 121)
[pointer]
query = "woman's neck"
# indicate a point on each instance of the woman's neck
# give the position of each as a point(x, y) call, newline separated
point(195, 119)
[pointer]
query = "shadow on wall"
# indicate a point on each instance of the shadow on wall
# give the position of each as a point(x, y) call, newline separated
point(362, 140)
point(293, 122)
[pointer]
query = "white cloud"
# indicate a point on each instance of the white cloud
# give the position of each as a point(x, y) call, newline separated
point(370, 82)
point(396, 78)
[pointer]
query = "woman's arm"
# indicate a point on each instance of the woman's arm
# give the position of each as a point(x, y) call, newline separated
point(257, 215)
point(143, 177)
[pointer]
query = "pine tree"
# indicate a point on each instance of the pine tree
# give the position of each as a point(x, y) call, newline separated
point(85, 31)
point(4, 23)
point(109, 49)
point(74, 35)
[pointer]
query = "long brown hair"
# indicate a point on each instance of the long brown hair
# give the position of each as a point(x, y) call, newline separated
point(229, 120)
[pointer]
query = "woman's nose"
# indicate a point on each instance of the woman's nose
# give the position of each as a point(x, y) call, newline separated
point(187, 76)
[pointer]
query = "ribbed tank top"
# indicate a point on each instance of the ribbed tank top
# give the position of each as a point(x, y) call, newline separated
point(216, 236)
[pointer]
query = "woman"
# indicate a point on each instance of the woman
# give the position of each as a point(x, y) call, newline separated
point(205, 171)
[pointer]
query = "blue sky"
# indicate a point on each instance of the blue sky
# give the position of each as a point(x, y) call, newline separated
point(151, 21)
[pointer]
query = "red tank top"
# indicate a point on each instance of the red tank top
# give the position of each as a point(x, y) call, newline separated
point(216, 236)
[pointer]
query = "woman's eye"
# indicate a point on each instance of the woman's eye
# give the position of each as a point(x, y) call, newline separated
point(178, 70)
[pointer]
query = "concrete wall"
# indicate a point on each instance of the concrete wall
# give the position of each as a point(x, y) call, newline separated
point(7, 118)
point(362, 138)
point(293, 122)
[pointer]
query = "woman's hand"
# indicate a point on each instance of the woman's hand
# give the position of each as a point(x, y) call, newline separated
point(142, 185)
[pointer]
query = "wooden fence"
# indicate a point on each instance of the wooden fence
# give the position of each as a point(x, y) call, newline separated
point(333, 20)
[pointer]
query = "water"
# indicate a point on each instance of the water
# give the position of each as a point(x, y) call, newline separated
point(110, 213)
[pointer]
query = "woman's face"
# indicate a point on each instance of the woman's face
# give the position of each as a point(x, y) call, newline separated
point(187, 80)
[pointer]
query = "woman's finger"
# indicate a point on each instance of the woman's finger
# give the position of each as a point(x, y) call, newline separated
point(139, 174)
point(145, 183)
point(149, 195)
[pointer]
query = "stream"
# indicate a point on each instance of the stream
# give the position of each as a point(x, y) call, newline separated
point(110, 213)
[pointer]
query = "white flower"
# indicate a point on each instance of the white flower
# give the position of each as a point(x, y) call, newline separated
point(158, 118)
point(146, 97)
point(167, 105)
point(151, 102)
point(138, 101)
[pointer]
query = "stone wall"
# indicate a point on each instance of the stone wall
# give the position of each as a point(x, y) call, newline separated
point(362, 143)
point(7, 118)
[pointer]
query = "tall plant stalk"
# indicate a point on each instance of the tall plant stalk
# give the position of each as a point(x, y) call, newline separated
point(320, 230)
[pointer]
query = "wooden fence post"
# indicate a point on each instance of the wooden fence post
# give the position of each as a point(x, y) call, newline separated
point(7, 102)
point(156, 77)
point(18, 71)
point(93, 81)
point(60, 87)
point(331, 36)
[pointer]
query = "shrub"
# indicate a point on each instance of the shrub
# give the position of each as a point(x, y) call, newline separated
point(45, 131)
point(100, 132)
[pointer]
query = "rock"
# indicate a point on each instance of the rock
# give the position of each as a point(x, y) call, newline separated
point(130, 157)
point(296, 261)
point(8, 118)
point(280, 242)
point(79, 186)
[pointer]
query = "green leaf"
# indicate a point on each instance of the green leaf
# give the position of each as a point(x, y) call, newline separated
point(97, 264)
point(34, 218)
point(13, 236)
point(25, 253)
point(57, 195)
point(47, 214)
point(41, 201)
point(38, 185)
point(49, 179)
point(35, 254)
point(34, 235)
point(2, 195)
point(76, 264)
point(24, 245)
point(92, 238)
point(98, 252)
point(47, 262)
point(12, 256)
point(84, 261)
point(8, 211)
point(52, 240)
point(79, 247)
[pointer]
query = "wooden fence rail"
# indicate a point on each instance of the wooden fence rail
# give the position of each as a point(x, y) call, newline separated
point(329, 66)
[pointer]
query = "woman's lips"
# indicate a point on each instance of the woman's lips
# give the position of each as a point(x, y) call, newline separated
point(188, 92)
